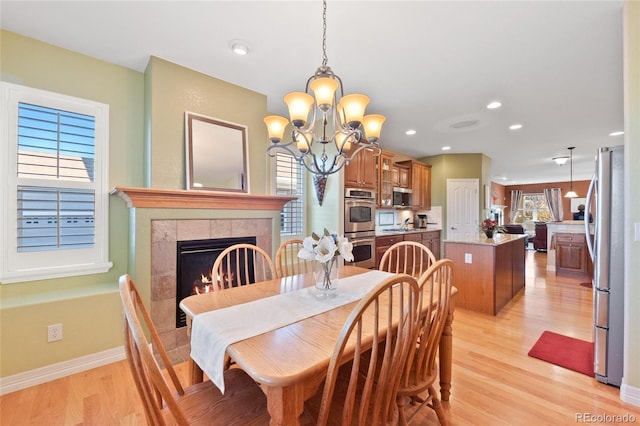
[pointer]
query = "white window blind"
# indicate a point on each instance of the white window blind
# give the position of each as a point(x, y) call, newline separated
point(290, 182)
point(55, 145)
point(54, 153)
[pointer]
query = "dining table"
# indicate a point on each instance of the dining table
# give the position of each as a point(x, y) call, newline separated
point(294, 329)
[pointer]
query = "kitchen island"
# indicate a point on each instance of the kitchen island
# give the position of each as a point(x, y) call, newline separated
point(488, 272)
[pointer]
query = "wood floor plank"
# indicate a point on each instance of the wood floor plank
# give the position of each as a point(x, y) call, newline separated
point(494, 381)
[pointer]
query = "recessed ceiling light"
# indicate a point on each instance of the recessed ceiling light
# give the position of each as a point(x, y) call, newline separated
point(618, 133)
point(410, 132)
point(239, 47)
point(446, 148)
point(494, 104)
point(515, 127)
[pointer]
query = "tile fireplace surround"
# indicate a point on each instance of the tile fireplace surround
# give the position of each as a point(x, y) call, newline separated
point(159, 219)
point(164, 237)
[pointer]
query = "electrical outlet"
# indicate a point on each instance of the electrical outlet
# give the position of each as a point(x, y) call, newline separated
point(468, 258)
point(54, 332)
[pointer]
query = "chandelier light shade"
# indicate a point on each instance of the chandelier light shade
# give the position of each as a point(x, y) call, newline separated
point(329, 128)
point(561, 160)
point(571, 193)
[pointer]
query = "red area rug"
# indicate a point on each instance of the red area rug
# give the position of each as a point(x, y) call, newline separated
point(567, 352)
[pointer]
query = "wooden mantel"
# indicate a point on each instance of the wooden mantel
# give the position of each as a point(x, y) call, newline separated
point(182, 199)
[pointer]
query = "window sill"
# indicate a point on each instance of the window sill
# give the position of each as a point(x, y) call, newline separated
point(54, 272)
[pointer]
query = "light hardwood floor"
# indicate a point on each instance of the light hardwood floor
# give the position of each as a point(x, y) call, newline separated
point(494, 381)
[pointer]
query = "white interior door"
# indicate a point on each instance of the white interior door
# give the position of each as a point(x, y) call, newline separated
point(463, 208)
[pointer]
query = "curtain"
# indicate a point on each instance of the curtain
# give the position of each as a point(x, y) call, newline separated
point(516, 195)
point(554, 202)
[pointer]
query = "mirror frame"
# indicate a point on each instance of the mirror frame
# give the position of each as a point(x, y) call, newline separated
point(209, 138)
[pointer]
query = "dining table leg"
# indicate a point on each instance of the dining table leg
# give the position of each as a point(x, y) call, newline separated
point(195, 372)
point(446, 353)
point(285, 404)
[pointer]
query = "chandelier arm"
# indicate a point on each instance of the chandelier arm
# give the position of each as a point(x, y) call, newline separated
point(284, 147)
point(304, 134)
point(348, 134)
point(318, 170)
point(374, 146)
point(339, 84)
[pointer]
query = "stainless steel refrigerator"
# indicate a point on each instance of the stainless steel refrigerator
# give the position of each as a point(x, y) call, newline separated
point(606, 249)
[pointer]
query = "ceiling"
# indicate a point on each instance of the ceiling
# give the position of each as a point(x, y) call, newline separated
point(556, 66)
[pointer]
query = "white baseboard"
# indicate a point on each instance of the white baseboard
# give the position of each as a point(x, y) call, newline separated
point(62, 369)
point(630, 394)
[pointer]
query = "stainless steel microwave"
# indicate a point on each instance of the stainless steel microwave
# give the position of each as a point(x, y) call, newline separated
point(401, 197)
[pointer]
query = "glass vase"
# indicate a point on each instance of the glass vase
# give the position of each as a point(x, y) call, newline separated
point(326, 275)
point(488, 233)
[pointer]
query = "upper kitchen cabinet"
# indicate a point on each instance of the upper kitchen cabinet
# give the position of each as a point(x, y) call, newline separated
point(401, 175)
point(361, 171)
point(420, 175)
point(385, 180)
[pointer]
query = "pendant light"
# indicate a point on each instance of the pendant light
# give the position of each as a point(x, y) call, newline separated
point(571, 193)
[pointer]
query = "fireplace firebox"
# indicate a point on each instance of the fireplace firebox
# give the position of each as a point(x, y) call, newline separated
point(195, 259)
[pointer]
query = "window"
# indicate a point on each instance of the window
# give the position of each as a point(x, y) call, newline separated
point(533, 207)
point(290, 182)
point(54, 155)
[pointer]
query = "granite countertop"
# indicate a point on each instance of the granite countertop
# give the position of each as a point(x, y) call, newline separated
point(481, 239)
point(397, 231)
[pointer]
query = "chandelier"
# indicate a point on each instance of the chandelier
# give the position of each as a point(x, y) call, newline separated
point(338, 129)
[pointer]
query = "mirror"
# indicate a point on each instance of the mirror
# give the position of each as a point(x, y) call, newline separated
point(216, 154)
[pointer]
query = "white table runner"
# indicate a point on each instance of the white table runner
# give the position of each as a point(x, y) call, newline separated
point(212, 332)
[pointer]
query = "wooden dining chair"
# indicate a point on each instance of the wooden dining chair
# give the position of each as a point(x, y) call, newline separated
point(363, 390)
point(407, 257)
point(165, 400)
point(242, 264)
point(421, 370)
point(287, 261)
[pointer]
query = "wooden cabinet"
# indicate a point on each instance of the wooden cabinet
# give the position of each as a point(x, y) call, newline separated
point(432, 240)
point(571, 254)
point(426, 188)
point(420, 178)
point(383, 243)
point(385, 180)
point(487, 275)
point(402, 175)
point(361, 171)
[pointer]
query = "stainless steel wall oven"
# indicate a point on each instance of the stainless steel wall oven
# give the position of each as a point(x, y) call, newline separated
point(360, 225)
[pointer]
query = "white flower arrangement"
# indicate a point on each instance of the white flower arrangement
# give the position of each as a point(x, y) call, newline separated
point(325, 248)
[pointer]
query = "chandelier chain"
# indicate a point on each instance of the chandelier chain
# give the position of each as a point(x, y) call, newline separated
point(325, 59)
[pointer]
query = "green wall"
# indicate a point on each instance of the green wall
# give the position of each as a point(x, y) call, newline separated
point(457, 166)
point(87, 306)
point(146, 150)
point(172, 90)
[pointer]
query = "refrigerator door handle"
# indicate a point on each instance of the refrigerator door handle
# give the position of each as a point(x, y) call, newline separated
point(587, 215)
point(601, 308)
